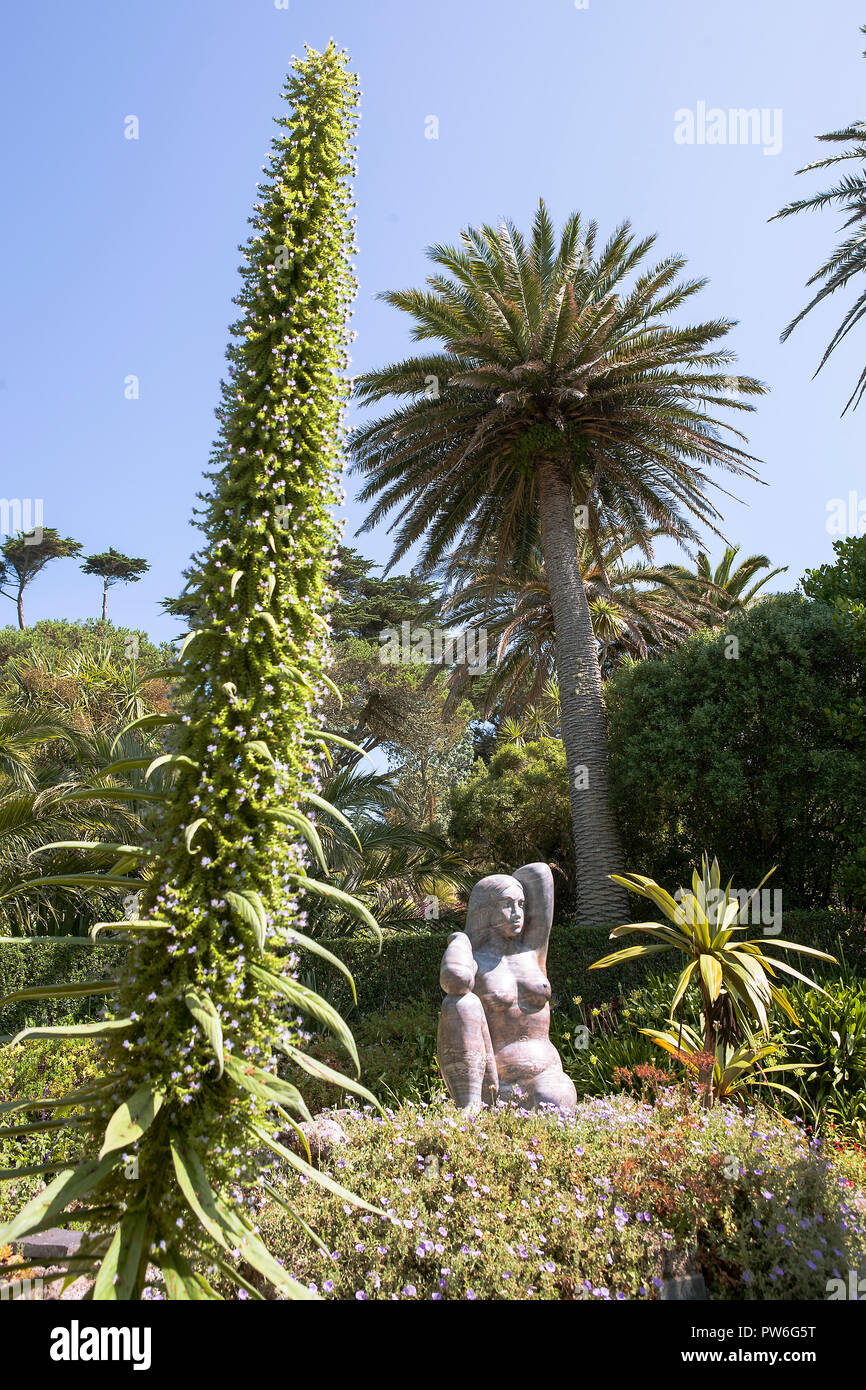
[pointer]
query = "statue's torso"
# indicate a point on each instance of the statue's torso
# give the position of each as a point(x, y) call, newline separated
point(515, 993)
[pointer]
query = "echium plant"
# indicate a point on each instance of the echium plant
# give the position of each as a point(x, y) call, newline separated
point(191, 1093)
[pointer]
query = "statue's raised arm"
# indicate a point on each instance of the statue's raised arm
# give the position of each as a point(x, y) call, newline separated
point(537, 882)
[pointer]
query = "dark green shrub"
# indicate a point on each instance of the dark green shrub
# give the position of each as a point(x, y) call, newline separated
point(733, 749)
point(516, 810)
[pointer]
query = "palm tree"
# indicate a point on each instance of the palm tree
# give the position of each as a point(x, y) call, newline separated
point(849, 257)
point(635, 608)
point(726, 589)
point(43, 765)
point(556, 387)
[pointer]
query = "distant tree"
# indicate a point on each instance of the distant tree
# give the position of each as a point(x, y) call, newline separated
point(114, 568)
point(842, 585)
point(23, 558)
point(717, 593)
point(367, 605)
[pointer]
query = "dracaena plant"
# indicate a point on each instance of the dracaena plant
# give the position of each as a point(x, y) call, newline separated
point(190, 1093)
point(735, 978)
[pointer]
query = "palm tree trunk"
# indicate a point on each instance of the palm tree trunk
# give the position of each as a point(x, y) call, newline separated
point(584, 723)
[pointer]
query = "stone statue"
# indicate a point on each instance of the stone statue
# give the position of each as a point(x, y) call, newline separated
point(495, 1021)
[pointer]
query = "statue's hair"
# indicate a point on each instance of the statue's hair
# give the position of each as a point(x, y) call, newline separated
point(481, 899)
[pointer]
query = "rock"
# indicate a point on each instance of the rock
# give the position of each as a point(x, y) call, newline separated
point(50, 1245)
point(323, 1136)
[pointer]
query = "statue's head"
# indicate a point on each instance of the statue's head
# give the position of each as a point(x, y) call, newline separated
point(495, 909)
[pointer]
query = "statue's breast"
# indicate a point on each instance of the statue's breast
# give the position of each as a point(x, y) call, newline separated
point(516, 979)
point(496, 984)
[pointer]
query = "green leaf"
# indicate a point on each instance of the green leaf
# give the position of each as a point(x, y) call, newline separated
point(128, 851)
point(258, 745)
point(222, 1224)
point(147, 721)
point(114, 794)
point(266, 1085)
point(628, 953)
point(314, 1067)
point(190, 833)
point(73, 1030)
point(41, 1127)
point(125, 765)
point(171, 760)
point(60, 991)
point(296, 938)
point(336, 895)
point(315, 1174)
point(130, 924)
point(325, 736)
point(287, 1206)
point(131, 1119)
point(190, 638)
point(328, 810)
point(303, 823)
point(181, 1281)
point(204, 1012)
point(119, 1272)
point(248, 906)
point(93, 880)
point(309, 1003)
point(44, 1210)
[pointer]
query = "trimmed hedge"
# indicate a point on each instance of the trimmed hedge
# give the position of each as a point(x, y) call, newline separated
point(406, 971)
point(47, 960)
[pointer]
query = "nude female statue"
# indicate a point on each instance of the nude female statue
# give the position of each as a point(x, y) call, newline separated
point(495, 1021)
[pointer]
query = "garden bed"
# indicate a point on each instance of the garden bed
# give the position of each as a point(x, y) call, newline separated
point(604, 1205)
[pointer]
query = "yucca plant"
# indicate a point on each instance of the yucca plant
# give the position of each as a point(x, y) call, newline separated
point(190, 1093)
point(735, 978)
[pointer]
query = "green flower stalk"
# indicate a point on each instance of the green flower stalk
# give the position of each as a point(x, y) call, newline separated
point(191, 1096)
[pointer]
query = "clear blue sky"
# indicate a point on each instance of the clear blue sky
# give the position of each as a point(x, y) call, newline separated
point(120, 257)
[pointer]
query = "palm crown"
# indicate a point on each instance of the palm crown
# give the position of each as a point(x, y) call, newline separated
point(544, 351)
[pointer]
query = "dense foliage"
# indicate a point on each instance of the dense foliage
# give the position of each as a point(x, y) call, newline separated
point(729, 741)
point(516, 810)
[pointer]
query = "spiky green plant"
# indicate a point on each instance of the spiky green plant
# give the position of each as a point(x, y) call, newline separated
point(190, 1091)
point(734, 978)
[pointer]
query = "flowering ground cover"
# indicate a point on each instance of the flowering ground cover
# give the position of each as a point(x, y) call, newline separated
point(602, 1205)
